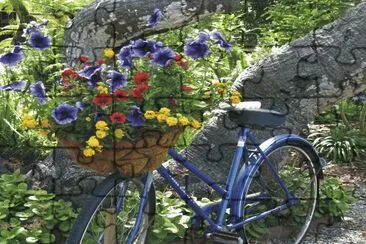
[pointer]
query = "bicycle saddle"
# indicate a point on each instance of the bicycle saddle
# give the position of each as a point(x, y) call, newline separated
point(249, 114)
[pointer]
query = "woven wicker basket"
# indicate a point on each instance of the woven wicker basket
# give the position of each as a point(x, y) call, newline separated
point(143, 155)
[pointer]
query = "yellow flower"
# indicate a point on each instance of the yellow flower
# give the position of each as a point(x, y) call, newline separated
point(101, 125)
point(235, 99)
point(119, 133)
point(161, 118)
point(93, 142)
point(165, 111)
point(171, 121)
point(30, 123)
point(88, 152)
point(236, 93)
point(27, 117)
point(183, 121)
point(88, 119)
point(221, 90)
point(218, 84)
point(150, 114)
point(101, 134)
point(45, 123)
point(108, 52)
point(195, 124)
point(102, 90)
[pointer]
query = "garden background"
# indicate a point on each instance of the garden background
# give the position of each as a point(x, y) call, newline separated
point(256, 30)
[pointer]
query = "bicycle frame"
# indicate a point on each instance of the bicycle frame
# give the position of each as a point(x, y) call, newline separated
point(226, 194)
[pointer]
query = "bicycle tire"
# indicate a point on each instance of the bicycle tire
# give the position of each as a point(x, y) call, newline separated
point(280, 227)
point(102, 192)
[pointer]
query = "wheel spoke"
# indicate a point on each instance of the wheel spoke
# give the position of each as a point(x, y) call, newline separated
point(296, 170)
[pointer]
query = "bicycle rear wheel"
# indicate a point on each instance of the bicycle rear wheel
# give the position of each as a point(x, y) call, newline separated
point(294, 163)
point(110, 214)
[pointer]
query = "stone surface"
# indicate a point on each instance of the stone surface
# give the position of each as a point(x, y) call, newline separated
point(100, 25)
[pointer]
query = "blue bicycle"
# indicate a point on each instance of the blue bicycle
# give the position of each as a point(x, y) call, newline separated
point(270, 195)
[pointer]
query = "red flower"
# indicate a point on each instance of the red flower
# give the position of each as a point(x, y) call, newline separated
point(178, 57)
point(83, 58)
point(118, 118)
point(143, 87)
point(120, 95)
point(102, 100)
point(136, 93)
point(100, 61)
point(141, 78)
point(186, 88)
point(69, 72)
point(182, 64)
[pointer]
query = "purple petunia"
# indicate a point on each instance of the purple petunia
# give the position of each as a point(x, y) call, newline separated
point(64, 114)
point(125, 56)
point(15, 86)
point(142, 48)
point(12, 58)
point(38, 90)
point(224, 44)
point(92, 82)
point(136, 117)
point(163, 56)
point(202, 37)
point(39, 41)
point(155, 18)
point(88, 71)
point(34, 27)
point(116, 80)
point(196, 49)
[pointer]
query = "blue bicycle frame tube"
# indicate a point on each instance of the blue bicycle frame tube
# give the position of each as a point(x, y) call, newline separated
point(259, 216)
point(143, 200)
point(233, 173)
point(269, 163)
point(167, 175)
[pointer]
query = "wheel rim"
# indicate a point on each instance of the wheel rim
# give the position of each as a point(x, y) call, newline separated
point(298, 172)
point(105, 226)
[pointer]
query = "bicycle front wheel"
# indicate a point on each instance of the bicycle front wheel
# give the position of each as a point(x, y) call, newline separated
point(294, 163)
point(110, 214)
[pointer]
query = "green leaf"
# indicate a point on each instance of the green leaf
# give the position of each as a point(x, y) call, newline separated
point(31, 239)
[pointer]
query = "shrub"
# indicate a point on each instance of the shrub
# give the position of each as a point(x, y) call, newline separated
point(31, 216)
point(336, 145)
point(334, 199)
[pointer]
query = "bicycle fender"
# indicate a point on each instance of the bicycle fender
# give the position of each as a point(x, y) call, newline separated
point(248, 170)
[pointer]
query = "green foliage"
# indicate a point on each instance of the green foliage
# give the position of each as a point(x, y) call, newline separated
point(336, 145)
point(289, 20)
point(334, 199)
point(171, 219)
point(37, 66)
point(58, 12)
point(31, 216)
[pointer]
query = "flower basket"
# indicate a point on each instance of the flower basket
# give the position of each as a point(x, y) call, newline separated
point(131, 158)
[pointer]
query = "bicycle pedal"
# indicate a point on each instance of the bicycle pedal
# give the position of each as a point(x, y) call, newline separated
point(223, 238)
